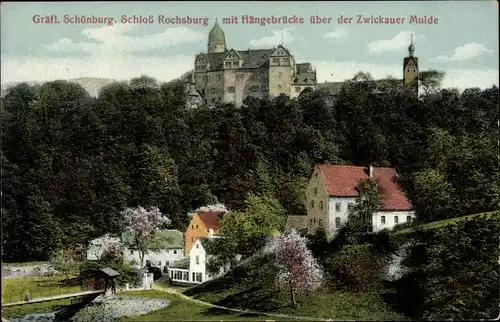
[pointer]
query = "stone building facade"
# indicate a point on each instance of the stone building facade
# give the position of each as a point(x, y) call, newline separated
point(223, 75)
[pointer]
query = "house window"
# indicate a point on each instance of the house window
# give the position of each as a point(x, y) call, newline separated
point(312, 203)
point(337, 222)
point(228, 65)
point(338, 207)
point(198, 277)
point(276, 60)
point(315, 191)
point(314, 220)
point(396, 219)
point(166, 251)
point(350, 206)
point(213, 100)
point(131, 252)
point(316, 175)
point(408, 218)
point(297, 89)
point(175, 251)
point(235, 64)
point(185, 276)
point(285, 59)
point(310, 221)
point(231, 89)
point(193, 276)
point(197, 246)
point(197, 260)
point(321, 205)
point(196, 226)
point(382, 220)
point(192, 226)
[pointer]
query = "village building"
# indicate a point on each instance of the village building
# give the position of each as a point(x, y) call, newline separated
point(332, 193)
point(204, 223)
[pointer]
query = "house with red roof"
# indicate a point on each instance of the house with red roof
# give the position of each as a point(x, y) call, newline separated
point(204, 223)
point(332, 192)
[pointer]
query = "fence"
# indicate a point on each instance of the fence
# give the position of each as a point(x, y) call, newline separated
point(36, 288)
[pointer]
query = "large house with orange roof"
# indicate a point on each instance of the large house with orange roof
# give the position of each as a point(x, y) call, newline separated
point(204, 223)
point(332, 192)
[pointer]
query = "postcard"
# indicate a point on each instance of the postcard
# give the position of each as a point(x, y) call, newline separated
point(244, 160)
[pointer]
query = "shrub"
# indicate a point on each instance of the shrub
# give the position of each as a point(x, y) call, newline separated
point(356, 267)
point(455, 274)
point(127, 273)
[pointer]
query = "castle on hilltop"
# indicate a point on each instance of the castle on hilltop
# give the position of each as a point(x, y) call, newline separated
point(222, 75)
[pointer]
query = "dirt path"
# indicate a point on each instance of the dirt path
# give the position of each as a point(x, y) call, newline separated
point(187, 298)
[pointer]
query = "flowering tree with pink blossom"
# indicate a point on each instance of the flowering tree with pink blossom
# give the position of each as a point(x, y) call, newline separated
point(298, 269)
point(143, 224)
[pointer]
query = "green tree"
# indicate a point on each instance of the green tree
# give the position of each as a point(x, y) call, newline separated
point(369, 202)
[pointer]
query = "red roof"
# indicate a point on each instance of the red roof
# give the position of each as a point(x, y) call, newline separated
point(342, 180)
point(210, 219)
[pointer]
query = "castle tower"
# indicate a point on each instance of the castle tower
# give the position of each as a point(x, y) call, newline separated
point(410, 70)
point(216, 39)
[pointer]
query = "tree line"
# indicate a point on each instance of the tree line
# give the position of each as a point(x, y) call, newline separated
point(71, 163)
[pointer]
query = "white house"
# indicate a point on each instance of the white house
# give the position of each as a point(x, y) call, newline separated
point(193, 269)
point(332, 192)
point(171, 248)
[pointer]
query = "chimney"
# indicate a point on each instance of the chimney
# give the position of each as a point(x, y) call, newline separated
point(370, 171)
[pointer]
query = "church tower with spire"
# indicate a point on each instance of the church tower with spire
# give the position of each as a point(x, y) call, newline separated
point(410, 69)
point(216, 39)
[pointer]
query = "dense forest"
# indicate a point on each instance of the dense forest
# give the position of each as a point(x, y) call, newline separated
point(71, 163)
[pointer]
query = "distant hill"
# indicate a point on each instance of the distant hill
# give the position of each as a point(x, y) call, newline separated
point(90, 84)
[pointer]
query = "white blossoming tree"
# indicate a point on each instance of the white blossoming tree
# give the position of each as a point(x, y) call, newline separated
point(298, 269)
point(112, 248)
point(143, 224)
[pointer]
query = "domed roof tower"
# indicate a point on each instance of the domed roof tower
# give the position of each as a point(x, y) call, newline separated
point(216, 39)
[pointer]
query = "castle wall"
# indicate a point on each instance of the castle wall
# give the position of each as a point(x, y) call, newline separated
point(280, 76)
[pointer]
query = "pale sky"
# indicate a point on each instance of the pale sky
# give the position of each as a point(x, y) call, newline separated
point(463, 44)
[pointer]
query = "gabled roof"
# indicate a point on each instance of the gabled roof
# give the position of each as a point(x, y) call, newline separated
point(166, 239)
point(183, 263)
point(211, 220)
point(204, 241)
point(343, 180)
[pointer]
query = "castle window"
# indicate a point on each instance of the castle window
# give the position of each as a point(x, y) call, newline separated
point(315, 191)
point(239, 76)
point(213, 100)
point(228, 65)
point(297, 89)
point(285, 59)
point(219, 77)
point(205, 78)
point(321, 205)
point(276, 60)
point(236, 64)
point(231, 89)
point(213, 90)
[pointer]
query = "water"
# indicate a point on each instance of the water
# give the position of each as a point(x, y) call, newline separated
point(395, 269)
